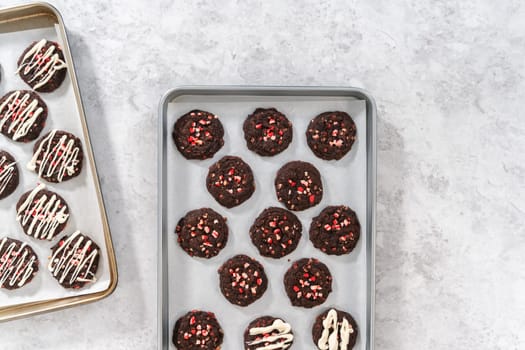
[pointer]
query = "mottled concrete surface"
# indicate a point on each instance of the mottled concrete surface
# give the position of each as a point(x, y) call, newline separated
point(448, 80)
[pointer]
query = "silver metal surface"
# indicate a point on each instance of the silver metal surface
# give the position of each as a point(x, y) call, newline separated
point(164, 333)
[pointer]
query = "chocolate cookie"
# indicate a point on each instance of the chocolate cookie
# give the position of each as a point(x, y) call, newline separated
point(18, 263)
point(276, 232)
point(298, 185)
point(331, 135)
point(198, 330)
point(43, 214)
point(308, 283)
point(202, 232)
point(242, 280)
point(57, 156)
point(42, 66)
point(198, 134)
point(9, 176)
point(334, 328)
point(335, 230)
point(268, 332)
point(23, 115)
point(230, 181)
point(267, 131)
point(74, 261)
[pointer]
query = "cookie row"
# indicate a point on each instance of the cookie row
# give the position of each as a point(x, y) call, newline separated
point(276, 232)
point(73, 262)
point(199, 134)
point(332, 330)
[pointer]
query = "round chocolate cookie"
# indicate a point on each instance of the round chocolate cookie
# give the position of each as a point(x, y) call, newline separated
point(18, 263)
point(267, 131)
point(197, 330)
point(276, 232)
point(242, 280)
point(74, 261)
point(335, 230)
point(57, 156)
point(23, 115)
point(202, 232)
point(9, 176)
point(308, 283)
point(331, 135)
point(43, 214)
point(42, 66)
point(198, 134)
point(268, 332)
point(334, 324)
point(230, 181)
point(298, 185)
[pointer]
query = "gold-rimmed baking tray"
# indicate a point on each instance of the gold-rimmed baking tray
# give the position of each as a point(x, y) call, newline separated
point(26, 21)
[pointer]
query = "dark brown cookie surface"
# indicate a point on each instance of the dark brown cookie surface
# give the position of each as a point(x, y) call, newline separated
point(242, 280)
point(298, 185)
point(43, 214)
point(9, 176)
point(74, 261)
point(268, 332)
point(202, 232)
point(334, 327)
point(23, 115)
point(230, 181)
point(331, 135)
point(308, 283)
point(335, 230)
point(42, 66)
point(197, 330)
point(18, 263)
point(57, 156)
point(276, 232)
point(198, 134)
point(267, 131)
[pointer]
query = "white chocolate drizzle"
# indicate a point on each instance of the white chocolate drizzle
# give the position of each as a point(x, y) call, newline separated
point(280, 340)
point(7, 171)
point(61, 158)
point(43, 65)
point(23, 111)
point(15, 264)
point(44, 214)
point(332, 330)
point(73, 256)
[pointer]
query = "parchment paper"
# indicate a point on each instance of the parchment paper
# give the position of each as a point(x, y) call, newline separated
point(194, 282)
point(79, 192)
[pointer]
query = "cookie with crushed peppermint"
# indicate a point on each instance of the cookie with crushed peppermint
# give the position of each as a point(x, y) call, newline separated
point(198, 134)
point(267, 131)
point(18, 263)
point(268, 332)
point(308, 282)
point(230, 181)
point(202, 232)
point(334, 329)
point(298, 185)
point(197, 330)
point(276, 232)
point(9, 175)
point(23, 115)
point(336, 230)
point(242, 280)
point(331, 135)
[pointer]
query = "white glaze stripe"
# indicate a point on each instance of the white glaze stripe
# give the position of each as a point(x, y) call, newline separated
point(328, 340)
point(281, 340)
point(74, 255)
point(6, 174)
point(43, 65)
point(15, 266)
point(22, 111)
point(61, 158)
point(44, 214)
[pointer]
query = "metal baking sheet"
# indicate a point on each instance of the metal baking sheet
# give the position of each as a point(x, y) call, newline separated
point(19, 26)
point(187, 283)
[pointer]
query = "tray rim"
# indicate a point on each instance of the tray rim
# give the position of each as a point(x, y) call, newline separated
point(30, 309)
point(264, 90)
